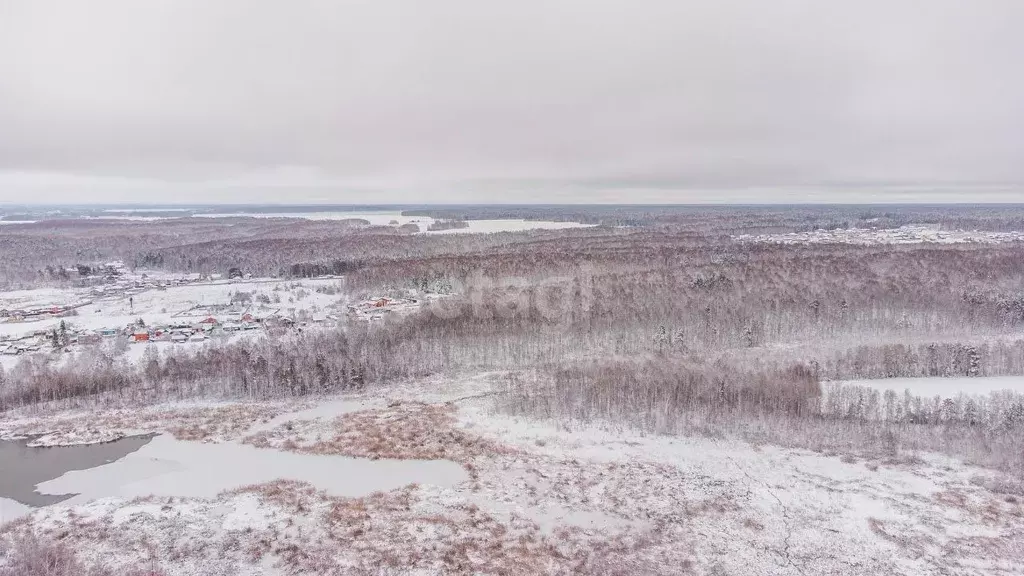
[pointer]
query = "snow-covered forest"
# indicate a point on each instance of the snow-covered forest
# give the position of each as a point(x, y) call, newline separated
point(664, 321)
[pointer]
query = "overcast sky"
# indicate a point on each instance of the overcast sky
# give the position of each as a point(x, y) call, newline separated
point(511, 101)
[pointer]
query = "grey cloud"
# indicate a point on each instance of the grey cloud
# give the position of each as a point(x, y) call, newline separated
point(315, 100)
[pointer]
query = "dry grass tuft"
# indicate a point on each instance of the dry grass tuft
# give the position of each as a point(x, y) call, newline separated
point(228, 422)
point(403, 431)
point(185, 423)
point(399, 531)
point(1000, 484)
point(29, 555)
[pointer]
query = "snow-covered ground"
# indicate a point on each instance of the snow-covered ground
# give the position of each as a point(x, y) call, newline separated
point(912, 234)
point(532, 497)
point(317, 300)
point(945, 387)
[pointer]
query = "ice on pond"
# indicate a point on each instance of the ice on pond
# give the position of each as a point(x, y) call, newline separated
point(170, 467)
point(12, 510)
point(22, 467)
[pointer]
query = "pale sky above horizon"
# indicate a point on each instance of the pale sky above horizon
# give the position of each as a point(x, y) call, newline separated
point(404, 101)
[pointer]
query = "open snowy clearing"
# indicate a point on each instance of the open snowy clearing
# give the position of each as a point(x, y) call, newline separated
point(911, 234)
point(534, 498)
point(944, 387)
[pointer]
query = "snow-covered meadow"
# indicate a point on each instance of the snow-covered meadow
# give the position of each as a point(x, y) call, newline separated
point(429, 477)
point(910, 234)
point(668, 419)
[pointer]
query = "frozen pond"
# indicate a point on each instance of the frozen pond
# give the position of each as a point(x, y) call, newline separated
point(22, 468)
point(944, 386)
point(164, 466)
point(169, 467)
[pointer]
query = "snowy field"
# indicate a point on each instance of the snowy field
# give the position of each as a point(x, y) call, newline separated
point(913, 234)
point(944, 387)
point(488, 493)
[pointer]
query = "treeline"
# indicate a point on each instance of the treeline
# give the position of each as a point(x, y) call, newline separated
point(35, 254)
point(660, 395)
point(440, 225)
point(38, 253)
point(771, 403)
point(932, 359)
point(998, 411)
point(294, 365)
point(270, 246)
point(753, 219)
point(716, 297)
point(743, 301)
point(313, 269)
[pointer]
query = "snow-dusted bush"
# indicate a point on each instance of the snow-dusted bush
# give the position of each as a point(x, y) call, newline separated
point(28, 555)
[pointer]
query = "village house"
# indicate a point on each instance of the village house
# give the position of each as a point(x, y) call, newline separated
point(205, 325)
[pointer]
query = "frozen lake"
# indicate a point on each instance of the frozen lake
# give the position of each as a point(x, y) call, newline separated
point(377, 218)
point(944, 386)
point(169, 467)
point(24, 467)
